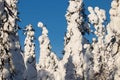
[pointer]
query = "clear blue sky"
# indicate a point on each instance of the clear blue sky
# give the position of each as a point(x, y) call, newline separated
point(51, 13)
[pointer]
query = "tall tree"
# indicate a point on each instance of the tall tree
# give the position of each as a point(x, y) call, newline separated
point(73, 59)
point(11, 59)
point(106, 45)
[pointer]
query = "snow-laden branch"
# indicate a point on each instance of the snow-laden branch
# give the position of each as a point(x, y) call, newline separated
point(113, 37)
point(29, 54)
point(106, 46)
point(48, 60)
point(97, 17)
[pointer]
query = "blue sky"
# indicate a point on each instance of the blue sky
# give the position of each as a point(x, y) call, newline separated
point(51, 13)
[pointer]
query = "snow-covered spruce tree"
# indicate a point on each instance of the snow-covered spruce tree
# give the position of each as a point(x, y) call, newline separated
point(97, 17)
point(106, 46)
point(82, 60)
point(98, 60)
point(113, 37)
point(73, 59)
point(11, 59)
point(29, 54)
point(48, 63)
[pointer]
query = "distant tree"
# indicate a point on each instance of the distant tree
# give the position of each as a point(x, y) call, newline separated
point(48, 61)
point(29, 54)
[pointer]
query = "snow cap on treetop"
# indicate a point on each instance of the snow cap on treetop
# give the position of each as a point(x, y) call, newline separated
point(114, 4)
point(40, 24)
point(28, 27)
point(90, 9)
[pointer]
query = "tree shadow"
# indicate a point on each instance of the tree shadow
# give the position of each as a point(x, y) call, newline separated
point(70, 70)
point(45, 75)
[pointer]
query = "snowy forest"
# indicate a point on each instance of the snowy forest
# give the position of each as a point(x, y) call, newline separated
point(98, 59)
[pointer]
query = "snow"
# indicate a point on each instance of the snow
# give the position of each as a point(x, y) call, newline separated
point(98, 60)
point(11, 57)
point(40, 24)
point(29, 54)
point(92, 17)
point(114, 4)
point(73, 6)
point(5, 73)
point(79, 55)
point(73, 49)
point(48, 60)
point(90, 9)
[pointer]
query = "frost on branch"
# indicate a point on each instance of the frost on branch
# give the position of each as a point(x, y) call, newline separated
point(48, 62)
point(29, 54)
point(11, 59)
